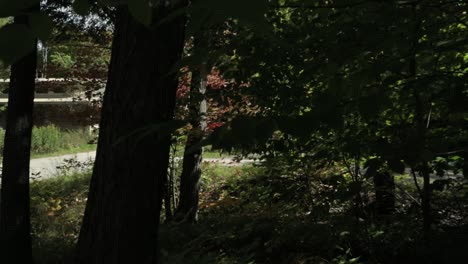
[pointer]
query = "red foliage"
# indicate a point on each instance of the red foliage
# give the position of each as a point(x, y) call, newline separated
point(213, 125)
point(184, 85)
point(216, 81)
point(225, 98)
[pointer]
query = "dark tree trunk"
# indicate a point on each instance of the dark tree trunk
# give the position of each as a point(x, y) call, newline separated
point(123, 210)
point(168, 193)
point(15, 226)
point(465, 164)
point(169, 203)
point(421, 129)
point(187, 208)
point(423, 169)
point(426, 201)
point(384, 185)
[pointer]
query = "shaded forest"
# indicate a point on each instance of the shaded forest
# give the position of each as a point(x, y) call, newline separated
point(266, 131)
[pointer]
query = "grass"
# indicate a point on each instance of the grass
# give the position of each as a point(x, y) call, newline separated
point(208, 154)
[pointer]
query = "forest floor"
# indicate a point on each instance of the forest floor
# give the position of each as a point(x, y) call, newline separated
point(250, 215)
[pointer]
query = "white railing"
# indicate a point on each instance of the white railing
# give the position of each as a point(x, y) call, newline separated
point(58, 80)
point(54, 98)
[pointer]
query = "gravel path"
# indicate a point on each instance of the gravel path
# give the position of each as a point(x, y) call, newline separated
point(44, 168)
point(49, 167)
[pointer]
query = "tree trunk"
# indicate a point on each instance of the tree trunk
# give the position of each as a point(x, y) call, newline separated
point(421, 129)
point(465, 164)
point(168, 194)
point(426, 201)
point(384, 185)
point(169, 184)
point(15, 226)
point(187, 208)
point(123, 210)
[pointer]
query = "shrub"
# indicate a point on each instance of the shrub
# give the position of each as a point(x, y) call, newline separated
point(2, 136)
point(75, 138)
point(49, 139)
point(46, 139)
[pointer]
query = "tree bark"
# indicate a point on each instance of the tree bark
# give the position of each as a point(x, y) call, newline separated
point(15, 226)
point(187, 209)
point(123, 210)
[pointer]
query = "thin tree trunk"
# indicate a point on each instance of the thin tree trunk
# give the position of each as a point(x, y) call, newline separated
point(15, 226)
point(123, 210)
point(421, 130)
point(168, 184)
point(465, 164)
point(168, 198)
point(423, 166)
point(384, 186)
point(187, 209)
point(426, 202)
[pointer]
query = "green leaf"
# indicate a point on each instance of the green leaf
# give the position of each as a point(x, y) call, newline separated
point(16, 41)
point(4, 21)
point(82, 7)
point(451, 43)
point(141, 11)
point(41, 25)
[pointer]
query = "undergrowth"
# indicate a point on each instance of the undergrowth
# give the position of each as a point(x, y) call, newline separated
point(250, 214)
point(57, 206)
